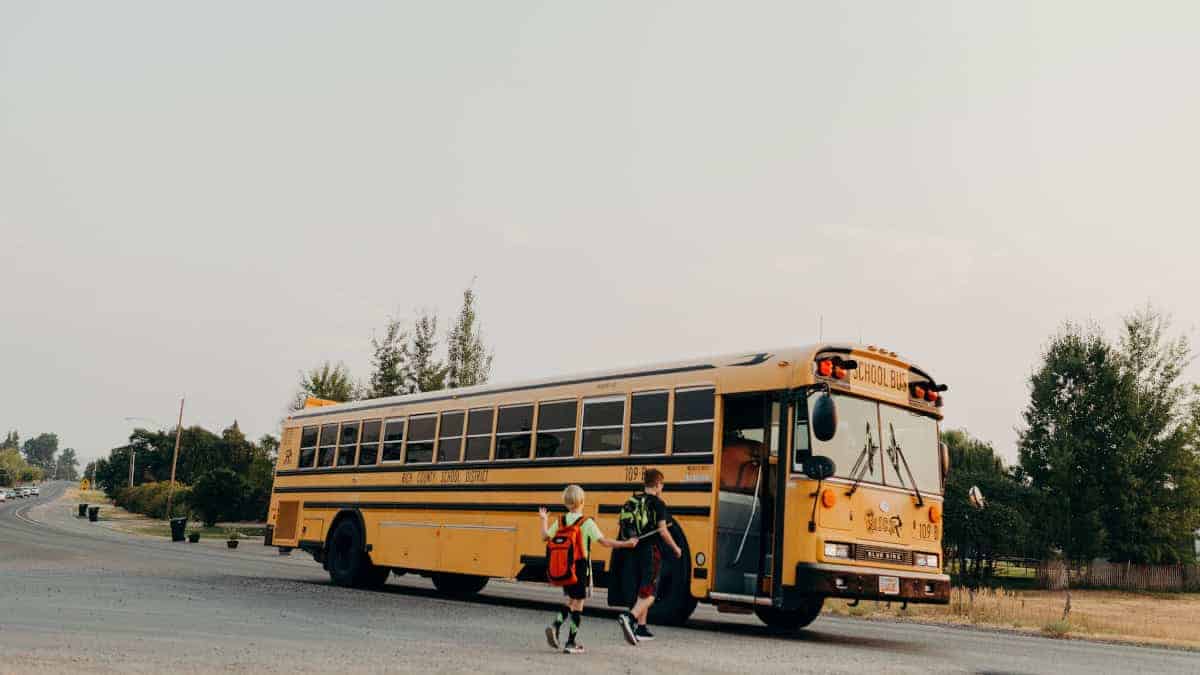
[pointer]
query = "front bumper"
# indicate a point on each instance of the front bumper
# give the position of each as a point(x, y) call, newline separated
point(847, 581)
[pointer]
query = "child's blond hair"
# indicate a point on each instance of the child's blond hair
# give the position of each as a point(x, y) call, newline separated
point(573, 496)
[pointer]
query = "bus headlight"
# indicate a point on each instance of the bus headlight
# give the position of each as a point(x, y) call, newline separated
point(926, 560)
point(835, 550)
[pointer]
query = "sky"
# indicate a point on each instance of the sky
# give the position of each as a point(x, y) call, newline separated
point(205, 199)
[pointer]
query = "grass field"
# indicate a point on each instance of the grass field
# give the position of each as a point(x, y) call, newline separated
point(1153, 618)
point(137, 523)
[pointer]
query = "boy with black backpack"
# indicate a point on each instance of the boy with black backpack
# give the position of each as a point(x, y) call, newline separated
point(644, 516)
point(569, 563)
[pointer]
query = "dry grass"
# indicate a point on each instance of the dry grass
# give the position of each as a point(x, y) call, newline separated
point(1155, 618)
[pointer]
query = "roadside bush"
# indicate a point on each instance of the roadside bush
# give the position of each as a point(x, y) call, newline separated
point(218, 495)
point(151, 499)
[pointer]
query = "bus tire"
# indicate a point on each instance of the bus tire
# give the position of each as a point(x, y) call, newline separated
point(347, 560)
point(674, 604)
point(790, 620)
point(458, 585)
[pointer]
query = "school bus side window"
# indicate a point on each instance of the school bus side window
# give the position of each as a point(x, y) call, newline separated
point(479, 435)
point(648, 423)
point(328, 448)
point(393, 440)
point(603, 424)
point(450, 437)
point(421, 432)
point(693, 430)
point(514, 425)
point(347, 444)
point(556, 428)
point(368, 452)
point(308, 447)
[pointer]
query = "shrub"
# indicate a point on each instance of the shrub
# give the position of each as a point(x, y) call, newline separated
point(151, 499)
point(217, 495)
point(1057, 629)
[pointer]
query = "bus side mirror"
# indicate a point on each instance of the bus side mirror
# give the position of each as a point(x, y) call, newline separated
point(824, 418)
point(944, 456)
point(819, 467)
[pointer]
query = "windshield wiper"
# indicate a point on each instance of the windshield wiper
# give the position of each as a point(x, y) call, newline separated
point(896, 452)
point(865, 462)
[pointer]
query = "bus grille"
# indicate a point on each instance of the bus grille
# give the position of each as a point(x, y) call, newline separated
point(884, 554)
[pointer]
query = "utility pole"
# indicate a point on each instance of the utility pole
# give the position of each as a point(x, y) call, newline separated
point(132, 459)
point(175, 458)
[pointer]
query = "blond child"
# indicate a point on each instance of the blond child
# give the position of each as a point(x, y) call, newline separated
point(573, 498)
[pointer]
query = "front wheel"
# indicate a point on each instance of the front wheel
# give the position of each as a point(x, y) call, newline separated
point(458, 585)
point(791, 620)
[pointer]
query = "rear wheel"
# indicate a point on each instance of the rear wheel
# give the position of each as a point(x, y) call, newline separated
point(791, 620)
point(458, 584)
point(347, 561)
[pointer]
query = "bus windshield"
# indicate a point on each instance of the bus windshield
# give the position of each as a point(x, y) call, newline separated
point(874, 440)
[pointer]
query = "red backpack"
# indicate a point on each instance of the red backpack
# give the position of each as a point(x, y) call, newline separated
point(563, 551)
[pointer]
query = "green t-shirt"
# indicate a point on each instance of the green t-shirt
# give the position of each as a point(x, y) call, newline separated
point(591, 531)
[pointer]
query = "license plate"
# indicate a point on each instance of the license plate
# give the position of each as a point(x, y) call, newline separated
point(889, 585)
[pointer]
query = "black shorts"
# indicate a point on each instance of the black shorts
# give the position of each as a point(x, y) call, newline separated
point(649, 566)
point(578, 591)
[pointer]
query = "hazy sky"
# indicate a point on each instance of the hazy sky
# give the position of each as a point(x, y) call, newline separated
point(206, 198)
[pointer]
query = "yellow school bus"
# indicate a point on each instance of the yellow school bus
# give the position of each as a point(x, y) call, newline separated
point(792, 475)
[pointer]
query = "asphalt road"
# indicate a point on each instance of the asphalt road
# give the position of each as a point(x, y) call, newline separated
point(80, 597)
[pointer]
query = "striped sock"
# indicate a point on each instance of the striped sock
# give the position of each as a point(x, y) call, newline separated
point(576, 620)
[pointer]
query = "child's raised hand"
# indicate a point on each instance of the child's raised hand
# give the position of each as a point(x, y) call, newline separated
point(542, 511)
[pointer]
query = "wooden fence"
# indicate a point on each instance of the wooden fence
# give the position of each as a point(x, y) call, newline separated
point(1122, 576)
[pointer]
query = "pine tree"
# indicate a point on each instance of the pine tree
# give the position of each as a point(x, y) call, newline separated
point(391, 375)
point(468, 361)
point(11, 441)
point(428, 372)
point(330, 382)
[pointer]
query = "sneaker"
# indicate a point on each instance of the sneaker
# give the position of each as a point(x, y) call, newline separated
point(643, 633)
point(573, 648)
point(627, 629)
point(552, 637)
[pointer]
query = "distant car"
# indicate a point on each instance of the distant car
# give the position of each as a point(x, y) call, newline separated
point(37, 490)
point(22, 492)
point(3, 495)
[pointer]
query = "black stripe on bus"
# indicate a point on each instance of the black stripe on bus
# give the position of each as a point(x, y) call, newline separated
point(491, 487)
point(508, 390)
point(623, 460)
point(507, 508)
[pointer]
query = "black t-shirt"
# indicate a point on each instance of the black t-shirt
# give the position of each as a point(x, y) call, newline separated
point(658, 513)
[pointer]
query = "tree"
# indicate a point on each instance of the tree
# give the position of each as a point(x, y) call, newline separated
point(89, 472)
point(218, 495)
point(68, 465)
point(390, 375)
point(269, 446)
point(1152, 500)
point(1112, 444)
point(976, 537)
point(12, 441)
point(1067, 439)
point(12, 465)
point(428, 372)
point(330, 382)
point(40, 450)
point(468, 361)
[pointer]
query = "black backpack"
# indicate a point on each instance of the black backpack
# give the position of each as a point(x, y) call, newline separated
point(636, 518)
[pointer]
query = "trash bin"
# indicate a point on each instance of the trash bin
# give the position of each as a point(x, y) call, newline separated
point(93, 513)
point(83, 510)
point(178, 525)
